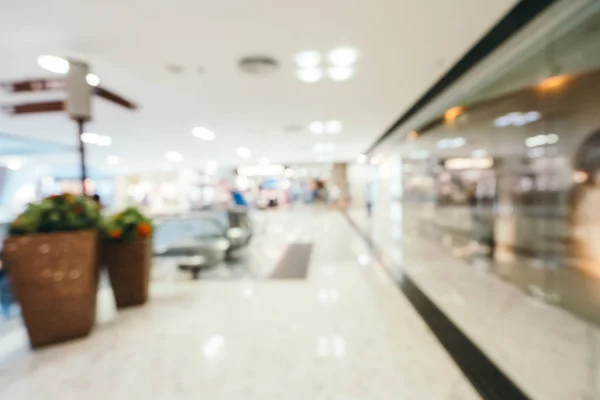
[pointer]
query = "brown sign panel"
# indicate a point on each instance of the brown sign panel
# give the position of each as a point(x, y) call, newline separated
point(111, 96)
point(33, 85)
point(34, 108)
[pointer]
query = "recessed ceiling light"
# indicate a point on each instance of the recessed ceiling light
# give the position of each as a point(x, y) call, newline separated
point(95, 138)
point(264, 161)
point(53, 64)
point(333, 127)
point(174, 156)
point(316, 127)
point(243, 152)
point(113, 160)
point(310, 75)
point(92, 79)
point(343, 56)
point(340, 73)
point(203, 133)
point(308, 59)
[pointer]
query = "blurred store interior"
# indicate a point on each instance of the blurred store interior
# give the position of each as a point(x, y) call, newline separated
point(341, 200)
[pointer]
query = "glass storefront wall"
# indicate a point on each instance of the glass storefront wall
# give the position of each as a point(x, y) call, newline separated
point(512, 173)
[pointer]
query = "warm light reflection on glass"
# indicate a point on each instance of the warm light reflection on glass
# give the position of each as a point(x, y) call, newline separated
point(412, 136)
point(580, 176)
point(452, 114)
point(553, 83)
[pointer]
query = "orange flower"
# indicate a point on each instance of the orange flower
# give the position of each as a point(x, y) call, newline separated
point(144, 229)
point(115, 234)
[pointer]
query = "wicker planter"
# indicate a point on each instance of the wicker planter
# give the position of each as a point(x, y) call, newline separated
point(55, 278)
point(128, 266)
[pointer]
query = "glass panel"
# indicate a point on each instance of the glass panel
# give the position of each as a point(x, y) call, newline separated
point(509, 179)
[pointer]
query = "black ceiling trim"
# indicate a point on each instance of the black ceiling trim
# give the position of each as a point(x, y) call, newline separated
point(520, 15)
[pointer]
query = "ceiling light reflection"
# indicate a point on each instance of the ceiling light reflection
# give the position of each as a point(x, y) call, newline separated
point(451, 143)
point(540, 140)
point(343, 57)
point(517, 119)
point(316, 127)
point(340, 74)
point(310, 75)
point(203, 133)
point(308, 59)
point(213, 346)
point(333, 127)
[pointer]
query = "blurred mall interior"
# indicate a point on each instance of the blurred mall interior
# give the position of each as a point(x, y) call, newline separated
point(341, 200)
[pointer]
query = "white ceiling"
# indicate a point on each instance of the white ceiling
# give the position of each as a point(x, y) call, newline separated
point(404, 46)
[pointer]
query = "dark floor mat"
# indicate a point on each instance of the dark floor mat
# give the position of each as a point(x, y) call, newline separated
point(294, 262)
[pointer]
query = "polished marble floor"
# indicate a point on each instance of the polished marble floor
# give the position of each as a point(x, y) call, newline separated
point(344, 333)
point(549, 353)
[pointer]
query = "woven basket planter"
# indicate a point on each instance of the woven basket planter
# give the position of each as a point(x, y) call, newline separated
point(128, 265)
point(55, 278)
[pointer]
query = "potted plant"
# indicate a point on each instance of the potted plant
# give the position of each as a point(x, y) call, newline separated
point(127, 254)
point(51, 256)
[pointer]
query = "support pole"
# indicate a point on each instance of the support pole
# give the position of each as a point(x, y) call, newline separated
point(80, 126)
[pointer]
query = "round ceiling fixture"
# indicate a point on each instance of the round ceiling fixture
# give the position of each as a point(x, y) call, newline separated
point(54, 64)
point(258, 65)
point(203, 133)
point(308, 59)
